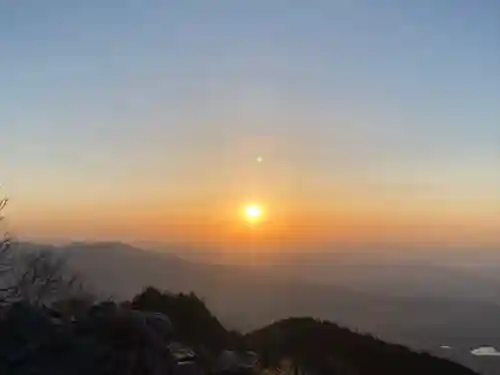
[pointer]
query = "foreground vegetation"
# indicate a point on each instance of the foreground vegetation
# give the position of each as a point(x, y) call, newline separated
point(130, 337)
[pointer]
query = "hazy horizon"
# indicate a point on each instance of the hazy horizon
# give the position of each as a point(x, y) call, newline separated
point(376, 123)
point(478, 260)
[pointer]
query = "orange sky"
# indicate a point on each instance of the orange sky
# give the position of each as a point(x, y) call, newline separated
point(372, 126)
point(219, 222)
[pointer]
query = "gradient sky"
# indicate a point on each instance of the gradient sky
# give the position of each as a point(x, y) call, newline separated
point(143, 119)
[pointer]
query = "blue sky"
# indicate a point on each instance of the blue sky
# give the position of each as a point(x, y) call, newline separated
point(117, 98)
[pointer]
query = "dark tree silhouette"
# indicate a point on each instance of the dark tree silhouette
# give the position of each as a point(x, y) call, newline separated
point(194, 323)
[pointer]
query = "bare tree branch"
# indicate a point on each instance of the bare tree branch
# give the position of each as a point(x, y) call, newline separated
point(42, 277)
point(4, 242)
point(5, 258)
point(38, 277)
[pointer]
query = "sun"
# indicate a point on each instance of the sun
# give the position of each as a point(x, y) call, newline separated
point(252, 212)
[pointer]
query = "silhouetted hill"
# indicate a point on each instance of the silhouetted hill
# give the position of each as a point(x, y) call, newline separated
point(319, 346)
point(327, 348)
point(142, 337)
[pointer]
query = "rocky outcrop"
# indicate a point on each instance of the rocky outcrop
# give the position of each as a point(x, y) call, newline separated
point(231, 362)
point(104, 340)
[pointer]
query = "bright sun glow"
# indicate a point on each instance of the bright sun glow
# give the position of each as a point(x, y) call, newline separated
point(252, 212)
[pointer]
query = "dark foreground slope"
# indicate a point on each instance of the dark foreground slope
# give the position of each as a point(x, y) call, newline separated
point(321, 347)
point(131, 338)
point(326, 348)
